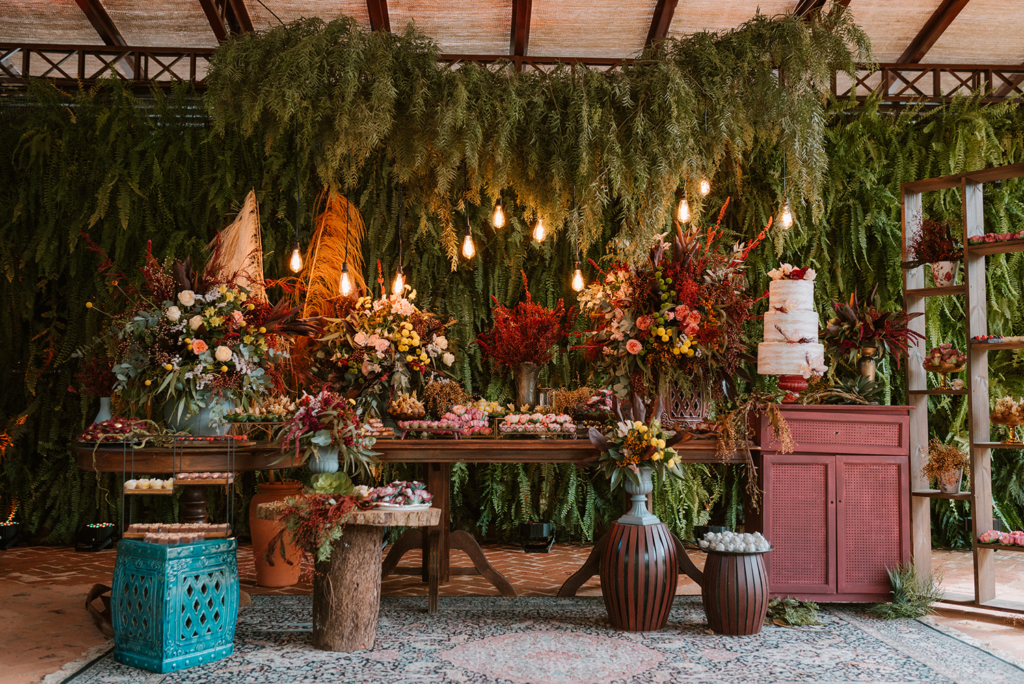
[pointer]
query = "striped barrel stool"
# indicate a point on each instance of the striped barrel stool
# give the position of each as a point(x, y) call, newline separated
point(735, 592)
point(638, 576)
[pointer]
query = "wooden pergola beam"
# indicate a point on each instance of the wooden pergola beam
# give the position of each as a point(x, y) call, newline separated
point(238, 16)
point(661, 21)
point(936, 25)
point(379, 19)
point(215, 17)
point(519, 38)
point(805, 7)
point(101, 21)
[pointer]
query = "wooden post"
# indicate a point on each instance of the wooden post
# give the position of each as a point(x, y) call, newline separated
point(346, 592)
point(979, 429)
point(917, 379)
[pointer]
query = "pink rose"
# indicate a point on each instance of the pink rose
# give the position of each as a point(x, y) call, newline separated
point(634, 347)
point(237, 317)
point(682, 311)
point(989, 537)
point(644, 322)
point(198, 346)
point(669, 316)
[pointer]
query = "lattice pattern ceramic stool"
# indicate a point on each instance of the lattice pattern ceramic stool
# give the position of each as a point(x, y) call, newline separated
point(174, 606)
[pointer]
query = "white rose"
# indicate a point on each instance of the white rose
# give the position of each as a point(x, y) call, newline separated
point(809, 274)
point(448, 358)
point(441, 341)
point(173, 313)
point(222, 354)
point(187, 297)
point(195, 322)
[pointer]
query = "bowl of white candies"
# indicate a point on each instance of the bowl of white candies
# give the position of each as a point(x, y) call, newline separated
point(731, 542)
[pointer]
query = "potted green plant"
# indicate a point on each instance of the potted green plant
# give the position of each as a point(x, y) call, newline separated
point(862, 328)
point(946, 463)
point(935, 244)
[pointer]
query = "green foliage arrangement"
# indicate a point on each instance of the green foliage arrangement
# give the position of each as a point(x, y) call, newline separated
point(790, 612)
point(912, 594)
point(574, 142)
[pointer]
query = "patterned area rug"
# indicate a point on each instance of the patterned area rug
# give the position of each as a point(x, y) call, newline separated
point(479, 640)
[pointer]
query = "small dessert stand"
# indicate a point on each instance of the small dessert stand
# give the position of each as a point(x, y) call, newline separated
point(943, 370)
point(1011, 424)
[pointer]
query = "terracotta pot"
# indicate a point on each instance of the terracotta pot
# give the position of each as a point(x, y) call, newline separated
point(285, 571)
point(949, 483)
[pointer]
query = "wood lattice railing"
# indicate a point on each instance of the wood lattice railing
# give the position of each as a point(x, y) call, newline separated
point(71, 64)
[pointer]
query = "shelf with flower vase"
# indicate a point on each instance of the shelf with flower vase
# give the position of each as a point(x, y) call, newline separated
point(921, 292)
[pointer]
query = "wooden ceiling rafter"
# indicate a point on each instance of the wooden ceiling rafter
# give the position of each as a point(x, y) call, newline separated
point(237, 15)
point(215, 15)
point(661, 21)
point(519, 37)
point(379, 17)
point(101, 22)
point(805, 7)
point(932, 30)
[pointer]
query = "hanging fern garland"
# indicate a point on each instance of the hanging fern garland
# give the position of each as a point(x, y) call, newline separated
point(574, 136)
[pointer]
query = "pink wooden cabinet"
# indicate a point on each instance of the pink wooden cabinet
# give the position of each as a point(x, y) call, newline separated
point(837, 510)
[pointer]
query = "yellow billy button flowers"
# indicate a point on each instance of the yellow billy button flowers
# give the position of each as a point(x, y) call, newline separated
point(148, 383)
point(168, 367)
point(223, 369)
point(263, 331)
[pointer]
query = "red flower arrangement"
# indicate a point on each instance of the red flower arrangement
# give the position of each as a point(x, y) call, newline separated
point(527, 332)
point(859, 324)
point(934, 242)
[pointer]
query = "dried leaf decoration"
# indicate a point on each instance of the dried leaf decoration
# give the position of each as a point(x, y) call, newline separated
point(237, 251)
point(335, 241)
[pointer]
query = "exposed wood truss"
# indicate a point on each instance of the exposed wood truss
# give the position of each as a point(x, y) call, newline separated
point(936, 25)
point(226, 17)
point(379, 19)
point(519, 38)
point(805, 7)
point(662, 20)
point(101, 21)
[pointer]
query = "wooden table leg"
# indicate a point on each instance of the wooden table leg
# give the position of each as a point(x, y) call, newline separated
point(410, 539)
point(686, 564)
point(589, 569)
point(464, 541)
point(193, 504)
point(439, 482)
point(434, 570)
point(346, 592)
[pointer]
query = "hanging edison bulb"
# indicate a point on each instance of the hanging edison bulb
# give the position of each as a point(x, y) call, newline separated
point(499, 215)
point(705, 187)
point(468, 248)
point(346, 282)
point(538, 231)
point(787, 216)
point(295, 263)
point(399, 285)
point(577, 279)
point(683, 214)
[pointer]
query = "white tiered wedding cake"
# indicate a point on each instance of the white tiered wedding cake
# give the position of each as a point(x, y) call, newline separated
point(790, 344)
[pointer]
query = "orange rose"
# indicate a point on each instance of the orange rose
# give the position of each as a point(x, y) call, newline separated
point(198, 346)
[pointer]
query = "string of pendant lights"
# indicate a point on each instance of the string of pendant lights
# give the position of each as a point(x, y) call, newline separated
point(295, 262)
point(398, 286)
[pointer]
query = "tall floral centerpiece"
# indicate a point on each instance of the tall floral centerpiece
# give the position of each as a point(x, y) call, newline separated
point(934, 243)
point(197, 345)
point(327, 430)
point(862, 328)
point(674, 323)
point(379, 347)
point(524, 338)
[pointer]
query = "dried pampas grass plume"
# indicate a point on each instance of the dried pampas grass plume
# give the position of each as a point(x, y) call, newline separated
point(237, 251)
point(334, 242)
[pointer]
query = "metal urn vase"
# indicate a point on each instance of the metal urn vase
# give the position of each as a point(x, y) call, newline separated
point(527, 393)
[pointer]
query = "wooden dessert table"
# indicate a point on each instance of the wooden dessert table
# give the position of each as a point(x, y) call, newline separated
point(346, 588)
point(156, 460)
point(437, 542)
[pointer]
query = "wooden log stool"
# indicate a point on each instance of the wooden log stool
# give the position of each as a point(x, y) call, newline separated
point(346, 588)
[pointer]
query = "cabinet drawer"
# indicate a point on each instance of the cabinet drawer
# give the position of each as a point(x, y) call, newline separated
point(845, 433)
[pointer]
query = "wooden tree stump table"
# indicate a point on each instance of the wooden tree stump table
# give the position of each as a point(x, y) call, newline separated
point(346, 588)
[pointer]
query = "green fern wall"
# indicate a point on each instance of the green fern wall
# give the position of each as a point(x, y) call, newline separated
point(130, 169)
